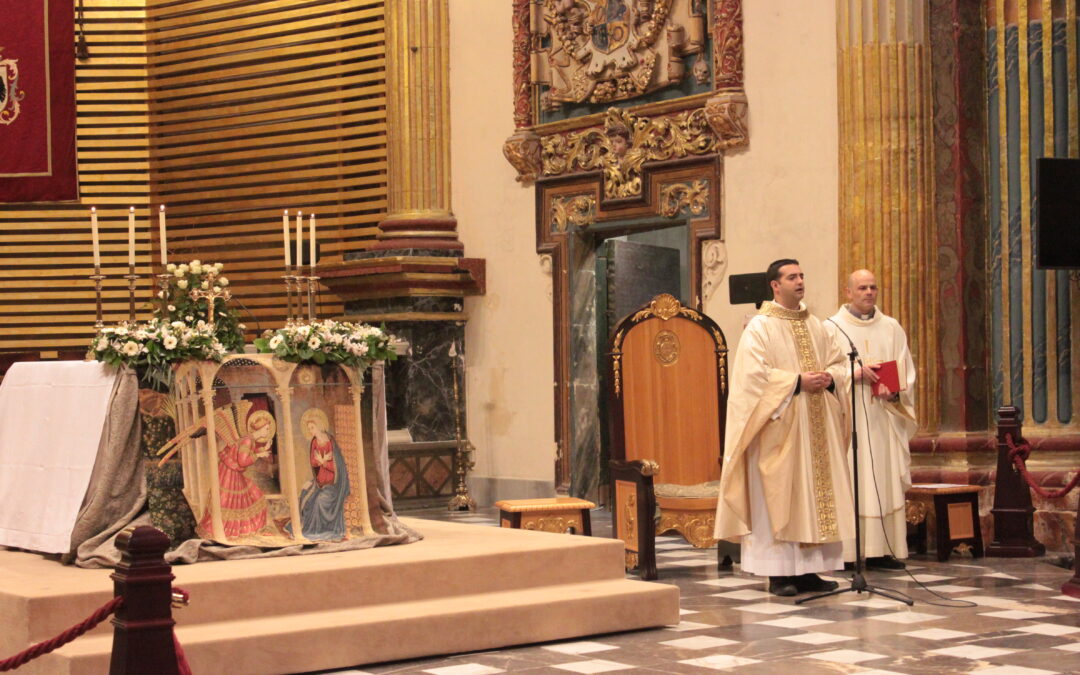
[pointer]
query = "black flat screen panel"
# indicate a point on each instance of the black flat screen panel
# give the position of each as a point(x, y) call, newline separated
point(1057, 238)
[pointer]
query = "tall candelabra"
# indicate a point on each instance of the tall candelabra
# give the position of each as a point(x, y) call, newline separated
point(462, 500)
point(291, 280)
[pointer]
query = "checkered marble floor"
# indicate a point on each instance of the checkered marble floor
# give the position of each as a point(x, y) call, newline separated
point(1004, 617)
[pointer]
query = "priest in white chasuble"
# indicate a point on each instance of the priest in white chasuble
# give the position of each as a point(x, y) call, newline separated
point(885, 422)
point(785, 492)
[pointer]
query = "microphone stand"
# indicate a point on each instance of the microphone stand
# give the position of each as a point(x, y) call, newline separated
point(858, 581)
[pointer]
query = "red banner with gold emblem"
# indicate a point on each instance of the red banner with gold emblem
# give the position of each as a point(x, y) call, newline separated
point(37, 101)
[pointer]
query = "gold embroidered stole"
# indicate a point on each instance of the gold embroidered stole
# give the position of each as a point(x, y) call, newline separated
point(819, 451)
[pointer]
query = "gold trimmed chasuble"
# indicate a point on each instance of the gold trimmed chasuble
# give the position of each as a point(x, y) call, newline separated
point(801, 438)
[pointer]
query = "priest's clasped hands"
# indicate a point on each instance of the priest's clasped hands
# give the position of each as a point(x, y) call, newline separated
point(814, 381)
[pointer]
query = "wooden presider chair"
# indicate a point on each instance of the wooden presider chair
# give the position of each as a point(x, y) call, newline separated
point(667, 387)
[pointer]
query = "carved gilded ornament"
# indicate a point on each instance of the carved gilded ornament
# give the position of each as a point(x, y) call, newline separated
point(693, 197)
point(727, 113)
point(665, 306)
point(556, 524)
point(915, 512)
point(631, 561)
point(666, 348)
point(598, 51)
point(624, 145)
point(630, 515)
point(695, 527)
point(649, 467)
point(728, 44)
point(572, 211)
point(713, 266)
point(522, 150)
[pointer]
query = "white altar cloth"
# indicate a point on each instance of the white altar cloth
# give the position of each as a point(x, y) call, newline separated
point(51, 419)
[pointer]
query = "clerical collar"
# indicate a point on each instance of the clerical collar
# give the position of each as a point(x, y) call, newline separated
point(777, 311)
point(857, 315)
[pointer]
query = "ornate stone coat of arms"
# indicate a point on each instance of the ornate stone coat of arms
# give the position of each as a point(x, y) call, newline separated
point(598, 51)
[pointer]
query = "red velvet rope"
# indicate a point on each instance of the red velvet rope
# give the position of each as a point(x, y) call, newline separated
point(1018, 455)
point(62, 639)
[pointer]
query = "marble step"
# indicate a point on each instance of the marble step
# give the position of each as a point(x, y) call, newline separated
point(345, 637)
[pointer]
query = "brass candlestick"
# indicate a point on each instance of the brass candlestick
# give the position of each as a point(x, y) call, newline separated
point(97, 277)
point(132, 278)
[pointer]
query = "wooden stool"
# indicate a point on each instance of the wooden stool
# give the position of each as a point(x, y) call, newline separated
point(956, 508)
point(555, 514)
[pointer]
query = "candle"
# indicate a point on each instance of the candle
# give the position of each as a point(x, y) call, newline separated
point(312, 253)
point(131, 237)
point(285, 233)
point(161, 233)
point(94, 237)
point(299, 240)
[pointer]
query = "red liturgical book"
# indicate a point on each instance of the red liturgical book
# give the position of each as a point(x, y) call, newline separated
point(888, 376)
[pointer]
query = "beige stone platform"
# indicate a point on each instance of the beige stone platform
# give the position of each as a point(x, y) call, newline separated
point(463, 588)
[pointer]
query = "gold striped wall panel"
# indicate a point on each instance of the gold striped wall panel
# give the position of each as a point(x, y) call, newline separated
point(47, 299)
point(258, 106)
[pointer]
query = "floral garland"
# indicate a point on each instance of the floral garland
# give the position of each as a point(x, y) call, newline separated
point(179, 330)
point(328, 341)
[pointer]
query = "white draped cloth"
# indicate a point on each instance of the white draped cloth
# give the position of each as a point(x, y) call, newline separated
point(51, 419)
point(884, 428)
point(785, 492)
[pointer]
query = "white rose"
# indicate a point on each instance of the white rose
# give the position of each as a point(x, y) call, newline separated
point(223, 281)
point(196, 262)
point(196, 269)
point(275, 342)
point(218, 267)
point(130, 348)
point(182, 284)
point(178, 273)
point(205, 285)
point(183, 269)
point(102, 344)
point(169, 342)
point(171, 267)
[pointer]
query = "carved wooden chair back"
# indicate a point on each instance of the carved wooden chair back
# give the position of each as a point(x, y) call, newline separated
point(668, 387)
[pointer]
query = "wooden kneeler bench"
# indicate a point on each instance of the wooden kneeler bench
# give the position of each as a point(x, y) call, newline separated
point(554, 514)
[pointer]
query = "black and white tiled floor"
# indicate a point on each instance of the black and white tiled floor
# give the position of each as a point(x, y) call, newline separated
point(1014, 621)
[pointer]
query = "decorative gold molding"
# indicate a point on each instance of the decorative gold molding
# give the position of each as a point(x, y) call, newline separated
point(674, 197)
point(665, 306)
point(572, 211)
point(631, 560)
point(696, 527)
point(625, 144)
point(556, 524)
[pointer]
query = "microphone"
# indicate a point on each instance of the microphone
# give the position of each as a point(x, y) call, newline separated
point(848, 337)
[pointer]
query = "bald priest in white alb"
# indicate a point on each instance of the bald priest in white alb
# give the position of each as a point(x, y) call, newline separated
point(885, 422)
point(785, 494)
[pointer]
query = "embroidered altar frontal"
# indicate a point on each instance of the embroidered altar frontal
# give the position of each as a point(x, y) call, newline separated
point(281, 456)
point(37, 101)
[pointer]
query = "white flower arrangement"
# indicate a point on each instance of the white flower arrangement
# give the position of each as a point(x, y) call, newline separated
point(329, 341)
point(178, 331)
point(156, 344)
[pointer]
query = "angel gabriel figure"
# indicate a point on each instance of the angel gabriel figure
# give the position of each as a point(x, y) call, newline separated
point(243, 437)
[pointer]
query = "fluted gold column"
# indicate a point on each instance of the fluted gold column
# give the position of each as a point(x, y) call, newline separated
point(418, 119)
point(886, 187)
